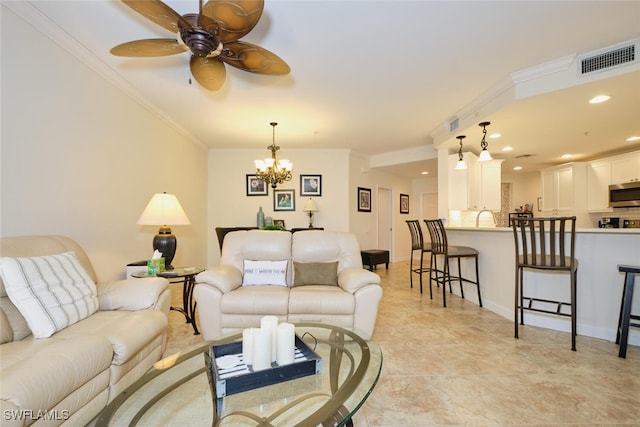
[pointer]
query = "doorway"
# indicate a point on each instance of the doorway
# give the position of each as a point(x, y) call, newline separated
point(385, 219)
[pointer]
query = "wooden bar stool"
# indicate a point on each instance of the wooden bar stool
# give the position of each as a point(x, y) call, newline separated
point(624, 321)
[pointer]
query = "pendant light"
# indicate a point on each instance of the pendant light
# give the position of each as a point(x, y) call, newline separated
point(461, 165)
point(484, 154)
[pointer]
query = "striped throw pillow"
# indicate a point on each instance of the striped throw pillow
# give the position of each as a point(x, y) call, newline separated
point(51, 292)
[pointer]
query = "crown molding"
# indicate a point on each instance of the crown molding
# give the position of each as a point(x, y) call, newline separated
point(31, 15)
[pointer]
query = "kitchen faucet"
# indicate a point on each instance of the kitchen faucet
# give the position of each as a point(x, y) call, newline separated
point(493, 216)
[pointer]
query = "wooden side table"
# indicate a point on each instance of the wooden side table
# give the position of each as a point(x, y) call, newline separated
point(186, 276)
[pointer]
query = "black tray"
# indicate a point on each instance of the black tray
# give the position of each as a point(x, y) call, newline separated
point(226, 382)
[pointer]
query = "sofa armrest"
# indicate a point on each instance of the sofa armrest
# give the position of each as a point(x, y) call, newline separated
point(223, 277)
point(131, 294)
point(352, 279)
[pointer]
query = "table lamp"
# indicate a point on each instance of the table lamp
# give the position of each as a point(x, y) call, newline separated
point(164, 210)
point(310, 207)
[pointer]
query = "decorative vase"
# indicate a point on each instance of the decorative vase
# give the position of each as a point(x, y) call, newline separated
point(260, 218)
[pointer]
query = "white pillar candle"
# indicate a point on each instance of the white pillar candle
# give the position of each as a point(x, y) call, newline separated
point(261, 349)
point(247, 346)
point(270, 324)
point(286, 344)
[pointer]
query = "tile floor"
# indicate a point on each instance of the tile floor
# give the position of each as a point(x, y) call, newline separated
point(460, 365)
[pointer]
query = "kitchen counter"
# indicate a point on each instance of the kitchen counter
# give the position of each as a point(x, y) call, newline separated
point(578, 230)
point(598, 250)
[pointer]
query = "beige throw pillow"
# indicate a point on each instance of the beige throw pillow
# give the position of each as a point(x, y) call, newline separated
point(315, 273)
point(51, 292)
point(264, 273)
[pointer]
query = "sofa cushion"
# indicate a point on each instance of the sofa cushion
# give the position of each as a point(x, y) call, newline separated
point(315, 273)
point(38, 374)
point(256, 300)
point(326, 246)
point(320, 299)
point(257, 245)
point(129, 332)
point(51, 291)
point(6, 333)
point(264, 273)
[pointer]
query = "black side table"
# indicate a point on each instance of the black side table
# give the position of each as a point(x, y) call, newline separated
point(186, 276)
point(373, 257)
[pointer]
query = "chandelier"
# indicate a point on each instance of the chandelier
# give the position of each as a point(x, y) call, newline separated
point(273, 171)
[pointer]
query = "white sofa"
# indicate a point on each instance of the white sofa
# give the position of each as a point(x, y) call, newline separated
point(73, 374)
point(348, 296)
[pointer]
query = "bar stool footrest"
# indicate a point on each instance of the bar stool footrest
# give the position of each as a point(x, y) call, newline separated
point(558, 311)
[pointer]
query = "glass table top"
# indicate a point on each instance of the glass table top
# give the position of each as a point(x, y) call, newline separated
point(177, 391)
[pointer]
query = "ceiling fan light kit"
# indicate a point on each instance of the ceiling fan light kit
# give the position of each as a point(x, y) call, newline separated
point(212, 36)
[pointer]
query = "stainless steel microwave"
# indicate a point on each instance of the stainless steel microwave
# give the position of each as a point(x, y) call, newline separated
point(624, 195)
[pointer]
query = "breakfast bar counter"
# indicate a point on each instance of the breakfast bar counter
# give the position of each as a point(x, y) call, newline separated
point(598, 250)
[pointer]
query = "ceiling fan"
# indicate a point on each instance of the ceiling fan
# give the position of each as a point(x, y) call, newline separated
point(212, 36)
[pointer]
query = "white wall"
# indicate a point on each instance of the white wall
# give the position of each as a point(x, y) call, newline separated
point(526, 188)
point(364, 224)
point(342, 173)
point(81, 158)
point(229, 206)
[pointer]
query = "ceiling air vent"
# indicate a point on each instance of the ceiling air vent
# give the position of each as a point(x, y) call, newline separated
point(609, 58)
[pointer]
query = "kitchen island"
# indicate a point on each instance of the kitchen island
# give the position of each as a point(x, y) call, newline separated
point(598, 250)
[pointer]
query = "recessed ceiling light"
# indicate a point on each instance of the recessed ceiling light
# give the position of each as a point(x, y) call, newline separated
point(517, 168)
point(495, 135)
point(566, 156)
point(633, 138)
point(507, 148)
point(424, 173)
point(598, 99)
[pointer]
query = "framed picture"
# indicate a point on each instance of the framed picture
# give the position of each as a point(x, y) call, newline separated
point(284, 200)
point(256, 186)
point(364, 199)
point(279, 222)
point(404, 203)
point(311, 185)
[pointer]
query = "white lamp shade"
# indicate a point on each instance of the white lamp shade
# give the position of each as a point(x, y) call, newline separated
point(461, 165)
point(163, 209)
point(484, 156)
point(310, 206)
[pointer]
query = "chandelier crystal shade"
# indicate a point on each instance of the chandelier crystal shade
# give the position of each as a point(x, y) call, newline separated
point(271, 170)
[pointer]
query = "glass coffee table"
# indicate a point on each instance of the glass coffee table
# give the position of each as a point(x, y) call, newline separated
point(177, 390)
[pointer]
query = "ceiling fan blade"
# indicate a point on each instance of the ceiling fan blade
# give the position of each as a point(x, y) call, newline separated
point(158, 12)
point(149, 47)
point(210, 73)
point(252, 58)
point(235, 18)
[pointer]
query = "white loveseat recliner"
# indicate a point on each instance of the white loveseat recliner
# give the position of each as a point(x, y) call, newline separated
point(69, 377)
point(323, 281)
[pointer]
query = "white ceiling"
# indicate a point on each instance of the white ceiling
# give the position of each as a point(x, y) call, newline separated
point(384, 76)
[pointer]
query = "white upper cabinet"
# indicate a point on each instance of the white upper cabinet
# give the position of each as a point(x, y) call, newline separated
point(477, 187)
point(557, 190)
point(598, 181)
point(490, 180)
point(625, 168)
